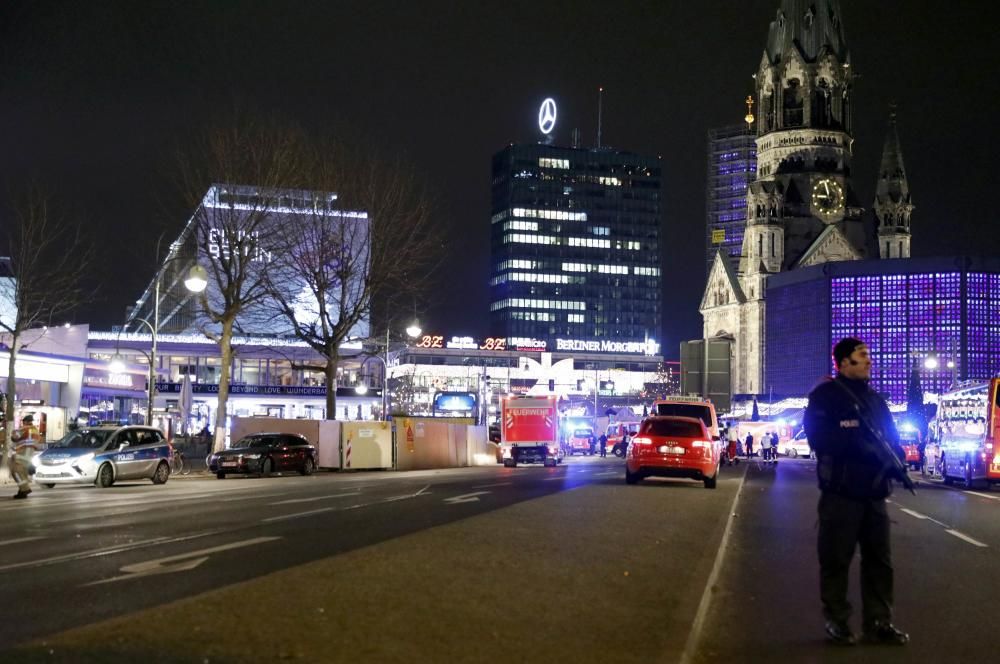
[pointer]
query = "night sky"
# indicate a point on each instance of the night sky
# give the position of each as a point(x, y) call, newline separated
point(97, 97)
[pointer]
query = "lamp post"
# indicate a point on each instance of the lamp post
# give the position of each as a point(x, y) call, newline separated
point(195, 282)
point(413, 331)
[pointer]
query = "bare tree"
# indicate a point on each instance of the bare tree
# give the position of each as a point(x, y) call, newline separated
point(47, 258)
point(374, 243)
point(238, 228)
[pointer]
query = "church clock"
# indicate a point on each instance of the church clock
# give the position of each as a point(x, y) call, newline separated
point(828, 198)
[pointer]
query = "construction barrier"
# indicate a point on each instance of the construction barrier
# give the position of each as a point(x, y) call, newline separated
point(427, 442)
point(324, 434)
point(366, 445)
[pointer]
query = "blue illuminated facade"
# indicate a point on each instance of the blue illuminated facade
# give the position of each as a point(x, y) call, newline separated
point(732, 164)
point(905, 310)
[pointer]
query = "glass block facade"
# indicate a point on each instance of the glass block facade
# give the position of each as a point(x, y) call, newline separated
point(732, 164)
point(575, 248)
point(905, 314)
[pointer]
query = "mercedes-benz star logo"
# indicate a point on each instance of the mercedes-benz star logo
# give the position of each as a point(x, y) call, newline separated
point(547, 116)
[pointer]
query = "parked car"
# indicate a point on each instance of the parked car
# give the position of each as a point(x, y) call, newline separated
point(263, 454)
point(673, 447)
point(104, 455)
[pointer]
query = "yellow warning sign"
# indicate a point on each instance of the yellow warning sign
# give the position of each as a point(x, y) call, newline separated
point(718, 235)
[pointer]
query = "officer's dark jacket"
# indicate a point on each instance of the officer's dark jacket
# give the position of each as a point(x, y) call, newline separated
point(845, 463)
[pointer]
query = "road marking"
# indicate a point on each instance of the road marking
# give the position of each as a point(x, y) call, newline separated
point(915, 515)
point(706, 597)
point(97, 553)
point(965, 537)
point(552, 479)
point(487, 486)
point(185, 561)
point(245, 498)
point(315, 498)
point(297, 515)
point(466, 498)
point(20, 540)
point(982, 495)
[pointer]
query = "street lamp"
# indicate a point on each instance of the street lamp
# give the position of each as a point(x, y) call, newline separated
point(195, 282)
point(931, 362)
point(413, 331)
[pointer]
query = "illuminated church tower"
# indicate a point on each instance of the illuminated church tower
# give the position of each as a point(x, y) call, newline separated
point(802, 209)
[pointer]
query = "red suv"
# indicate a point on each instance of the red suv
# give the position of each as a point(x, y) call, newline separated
point(668, 446)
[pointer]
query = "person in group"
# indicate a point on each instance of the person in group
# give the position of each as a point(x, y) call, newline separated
point(854, 485)
point(774, 447)
point(26, 444)
point(749, 445)
point(603, 442)
point(765, 447)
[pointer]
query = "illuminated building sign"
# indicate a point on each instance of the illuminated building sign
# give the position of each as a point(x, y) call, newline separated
point(463, 343)
point(649, 347)
point(454, 401)
point(218, 245)
point(526, 345)
point(547, 116)
point(104, 378)
point(529, 345)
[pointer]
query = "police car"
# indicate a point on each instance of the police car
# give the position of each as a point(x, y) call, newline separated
point(104, 455)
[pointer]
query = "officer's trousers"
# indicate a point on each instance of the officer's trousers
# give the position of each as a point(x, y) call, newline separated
point(844, 524)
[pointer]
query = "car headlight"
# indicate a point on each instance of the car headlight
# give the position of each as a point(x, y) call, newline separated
point(250, 457)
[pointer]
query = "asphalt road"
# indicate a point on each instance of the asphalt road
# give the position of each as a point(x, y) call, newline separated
point(476, 564)
point(946, 552)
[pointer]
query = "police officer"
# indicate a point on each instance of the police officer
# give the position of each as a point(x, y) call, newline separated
point(26, 443)
point(853, 485)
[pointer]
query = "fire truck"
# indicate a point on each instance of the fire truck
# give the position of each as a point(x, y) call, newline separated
point(529, 430)
point(967, 425)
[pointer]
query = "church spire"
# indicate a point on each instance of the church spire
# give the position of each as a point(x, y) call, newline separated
point(893, 205)
point(810, 27)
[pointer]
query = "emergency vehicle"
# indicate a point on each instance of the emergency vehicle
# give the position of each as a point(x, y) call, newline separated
point(967, 425)
point(529, 430)
point(616, 433)
point(678, 406)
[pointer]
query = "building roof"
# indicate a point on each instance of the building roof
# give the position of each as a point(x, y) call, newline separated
point(876, 267)
point(810, 27)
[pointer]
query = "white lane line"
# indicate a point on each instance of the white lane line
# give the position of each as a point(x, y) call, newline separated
point(553, 479)
point(963, 536)
point(245, 498)
point(487, 486)
point(20, 540)
point(96, 553)
point(315, 498)
point(297, 515)
point(706, 597)
point(915, 515)
point(982, 495)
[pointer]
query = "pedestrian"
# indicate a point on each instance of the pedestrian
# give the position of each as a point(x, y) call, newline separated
point(774, 447)
point(26, 444)
point(765, 447)
point(853, 487)
point(604, 444)
point(749, 445)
